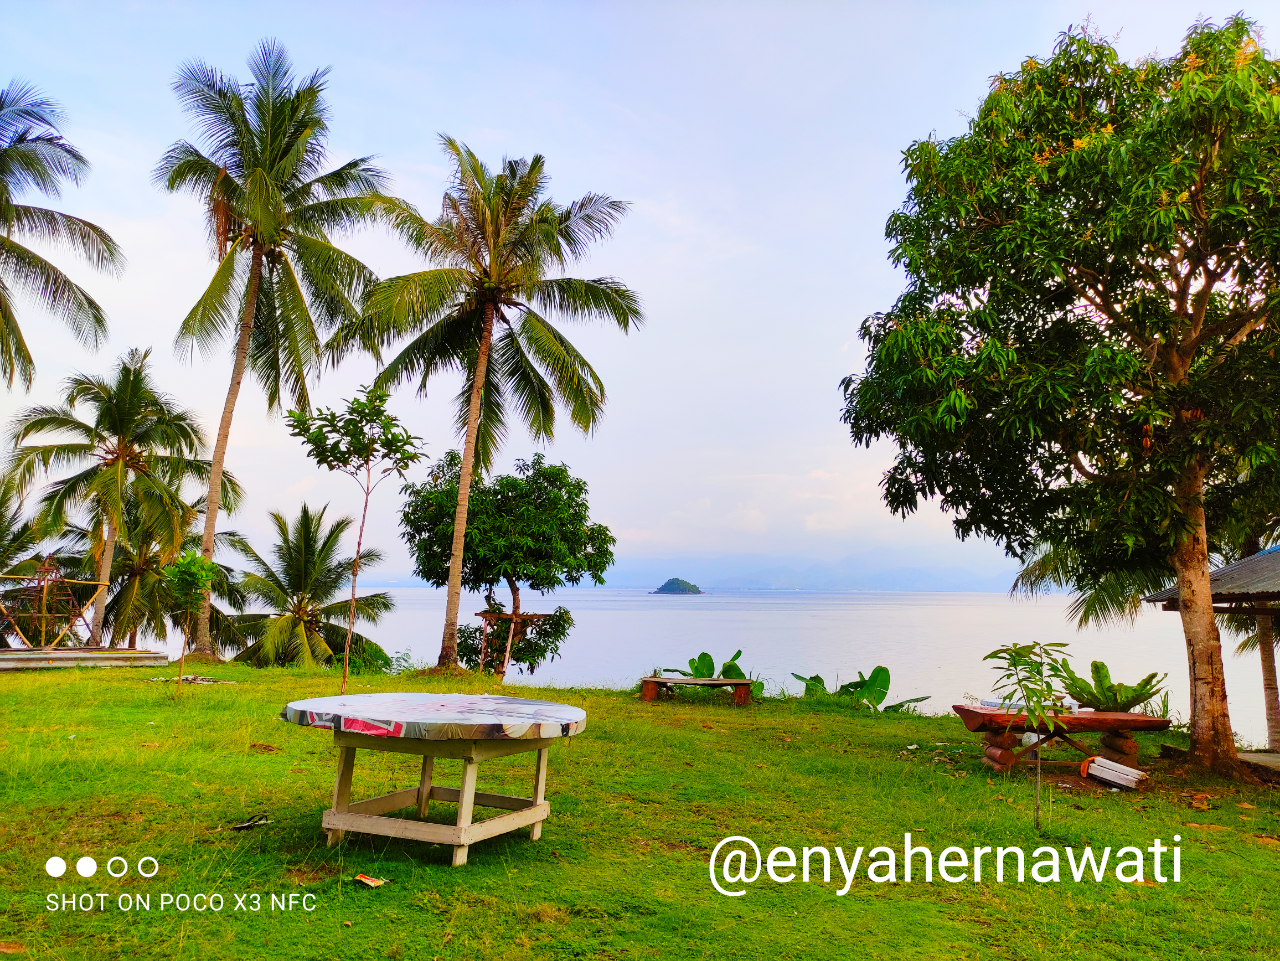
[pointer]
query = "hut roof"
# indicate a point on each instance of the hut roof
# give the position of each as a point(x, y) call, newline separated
point(1255, 578)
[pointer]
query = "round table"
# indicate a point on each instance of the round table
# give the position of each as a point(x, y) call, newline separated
point(469, 727)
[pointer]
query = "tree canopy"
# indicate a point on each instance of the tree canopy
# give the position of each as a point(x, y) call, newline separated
point(1082, 354)
point(532, 527)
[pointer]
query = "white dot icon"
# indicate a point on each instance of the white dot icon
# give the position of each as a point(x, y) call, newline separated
point(86, 866)
point(55, 867)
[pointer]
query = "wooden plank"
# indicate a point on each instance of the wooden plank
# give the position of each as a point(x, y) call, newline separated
point(503, 801)
point(480, 750)
point(539, 791)
point(466, 805)
point(385, 802)
point(424, 785)
point(995, 719)
point(342, 788)
point(391, 827)
point(700, 681)
point(506, 822)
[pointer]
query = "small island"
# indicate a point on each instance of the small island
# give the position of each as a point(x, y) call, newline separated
point(678, 586)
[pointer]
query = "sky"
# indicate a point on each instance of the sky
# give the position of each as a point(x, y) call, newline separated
point(759, 147)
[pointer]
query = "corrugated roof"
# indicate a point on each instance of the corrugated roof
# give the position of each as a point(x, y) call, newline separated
point(1254, 578)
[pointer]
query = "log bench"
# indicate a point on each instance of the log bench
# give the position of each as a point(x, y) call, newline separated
point(650, 686)
point(1003, 730)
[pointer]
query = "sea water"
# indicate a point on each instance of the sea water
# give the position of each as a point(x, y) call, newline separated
point(932, 644)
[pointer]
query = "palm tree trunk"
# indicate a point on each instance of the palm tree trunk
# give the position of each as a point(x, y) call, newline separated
point(1270, 690)
point(133, 639)
point(355, 572)
point(449, 643)
point(1212, 743)
point(204, 644)
point(104, 577)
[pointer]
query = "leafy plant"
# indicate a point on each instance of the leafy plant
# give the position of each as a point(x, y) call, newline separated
point(1156, 708)
point(189, 579)
point(868, 692)
point(352, 442)
point(704, 665)
point(1104, 694)
point(1028, 676)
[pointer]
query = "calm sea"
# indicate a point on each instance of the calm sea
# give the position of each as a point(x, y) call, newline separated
point(932, 644)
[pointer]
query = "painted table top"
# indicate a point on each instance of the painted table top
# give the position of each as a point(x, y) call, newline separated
point(439, 717)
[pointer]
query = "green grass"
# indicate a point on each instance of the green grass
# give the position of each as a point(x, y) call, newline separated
point(638, 801)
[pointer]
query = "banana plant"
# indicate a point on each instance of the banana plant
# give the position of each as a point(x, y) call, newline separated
point(704, 665)
point(867, 692)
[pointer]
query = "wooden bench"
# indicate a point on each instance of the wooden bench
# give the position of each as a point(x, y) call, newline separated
point(1003, 730)
point(650, 686)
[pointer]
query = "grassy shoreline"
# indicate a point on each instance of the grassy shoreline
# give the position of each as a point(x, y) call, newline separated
point(107, 763)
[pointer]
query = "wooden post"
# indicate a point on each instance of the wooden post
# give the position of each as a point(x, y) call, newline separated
point(539, 791)
point(424, 785)
point(741, 695)
point(342, 787)
point(648, 690)
point(466, 805)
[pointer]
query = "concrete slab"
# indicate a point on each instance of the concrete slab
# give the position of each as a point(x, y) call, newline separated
point(36, 660)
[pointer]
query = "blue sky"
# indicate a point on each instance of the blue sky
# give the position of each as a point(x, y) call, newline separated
point(759, 145)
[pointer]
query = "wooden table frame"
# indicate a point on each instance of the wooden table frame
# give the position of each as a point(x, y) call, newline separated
point(650, 686)
point(366, 816)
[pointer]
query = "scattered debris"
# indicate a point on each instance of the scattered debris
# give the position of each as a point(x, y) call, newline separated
point(254, 822)
point(370, 882)
point(913, 747)
point(264, 748)
point(194, 679)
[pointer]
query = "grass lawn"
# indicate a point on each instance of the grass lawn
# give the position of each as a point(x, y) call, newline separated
point(106, 763)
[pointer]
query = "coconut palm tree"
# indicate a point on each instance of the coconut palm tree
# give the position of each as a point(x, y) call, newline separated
point(141, 599)
point(137, 442)
point(271, 209)
point(302, 586)
point(34, 156)
point(483, 310)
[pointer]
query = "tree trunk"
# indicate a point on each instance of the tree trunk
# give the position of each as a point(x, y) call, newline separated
point(204, 644)
point(1270, 691)
point(1212, 743)
point(449, 643)
point(133, 639)
point(104, 577)
point(511, 634)
point(355, 572)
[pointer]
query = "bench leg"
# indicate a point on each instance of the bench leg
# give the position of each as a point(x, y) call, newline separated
point(649, 690)
point(539, 791)
point(466, 805)
point(342, 788)
point(424, 785)
point(741, 695)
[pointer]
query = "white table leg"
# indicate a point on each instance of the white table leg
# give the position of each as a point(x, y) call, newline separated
point(342, 787)
point(539, 791)
point(466, 804)
point(424, 785)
